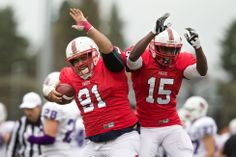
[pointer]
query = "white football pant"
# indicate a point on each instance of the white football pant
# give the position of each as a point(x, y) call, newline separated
point(173, 139)
point(127, 145)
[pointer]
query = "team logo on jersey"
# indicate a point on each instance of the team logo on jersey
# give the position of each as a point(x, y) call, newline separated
point(85, 83)
point(163, 73)
point(163, 121)
point(109, 125)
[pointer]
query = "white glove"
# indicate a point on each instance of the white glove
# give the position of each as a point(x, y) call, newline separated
point(193, 38)
point(159, 25)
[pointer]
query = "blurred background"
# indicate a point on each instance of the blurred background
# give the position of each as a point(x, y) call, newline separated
point(34, 34)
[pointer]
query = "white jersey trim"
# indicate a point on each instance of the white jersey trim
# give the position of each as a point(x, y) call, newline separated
point(191, 72)
point(134, 65)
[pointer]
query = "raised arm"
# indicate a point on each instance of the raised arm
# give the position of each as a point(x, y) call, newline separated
point(111, 56)
point(82, 23)
point(143, 43)
point(140, 47)
point(193, 39)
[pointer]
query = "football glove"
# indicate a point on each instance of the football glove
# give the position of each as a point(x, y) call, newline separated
point(83, 26)
point(159, 25)
point(193, 38)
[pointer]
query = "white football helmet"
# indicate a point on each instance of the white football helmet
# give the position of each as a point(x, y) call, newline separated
point(196, 106)
point(232, 126)
point(165, 47)
point(83, 54)
point(50, 82)
point(3, 113)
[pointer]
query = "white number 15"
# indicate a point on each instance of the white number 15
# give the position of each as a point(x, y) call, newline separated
point(161, 90)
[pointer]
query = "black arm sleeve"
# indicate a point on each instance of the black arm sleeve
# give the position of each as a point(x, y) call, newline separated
point(113, 61)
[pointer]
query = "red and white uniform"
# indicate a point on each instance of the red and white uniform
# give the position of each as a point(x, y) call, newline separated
point(156, 89)
point(102, 99)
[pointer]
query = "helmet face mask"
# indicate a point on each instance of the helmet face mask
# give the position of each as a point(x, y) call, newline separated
point(82, 53)
point(165, 47)
point(83, 64)
point(167, 50)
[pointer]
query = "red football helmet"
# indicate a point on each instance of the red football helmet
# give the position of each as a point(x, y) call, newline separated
point(165, 47)
point(83, 54)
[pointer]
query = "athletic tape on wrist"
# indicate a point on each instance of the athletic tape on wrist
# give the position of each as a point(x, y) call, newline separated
point(85, 24)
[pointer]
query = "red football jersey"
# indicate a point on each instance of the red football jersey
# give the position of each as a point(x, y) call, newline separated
point(156, 89)
point(102, 99)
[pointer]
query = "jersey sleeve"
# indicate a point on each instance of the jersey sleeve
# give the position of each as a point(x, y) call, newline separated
point(8, 126)
point(50, 83)
point(52, 111)
point(65, 75)
point(114, 61)
point(207, 127)
point(184, 60)
point(191, 72)
point(133, 65)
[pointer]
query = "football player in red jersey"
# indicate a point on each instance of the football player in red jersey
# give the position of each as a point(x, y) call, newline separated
point(101, 93)
point(158, 68)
